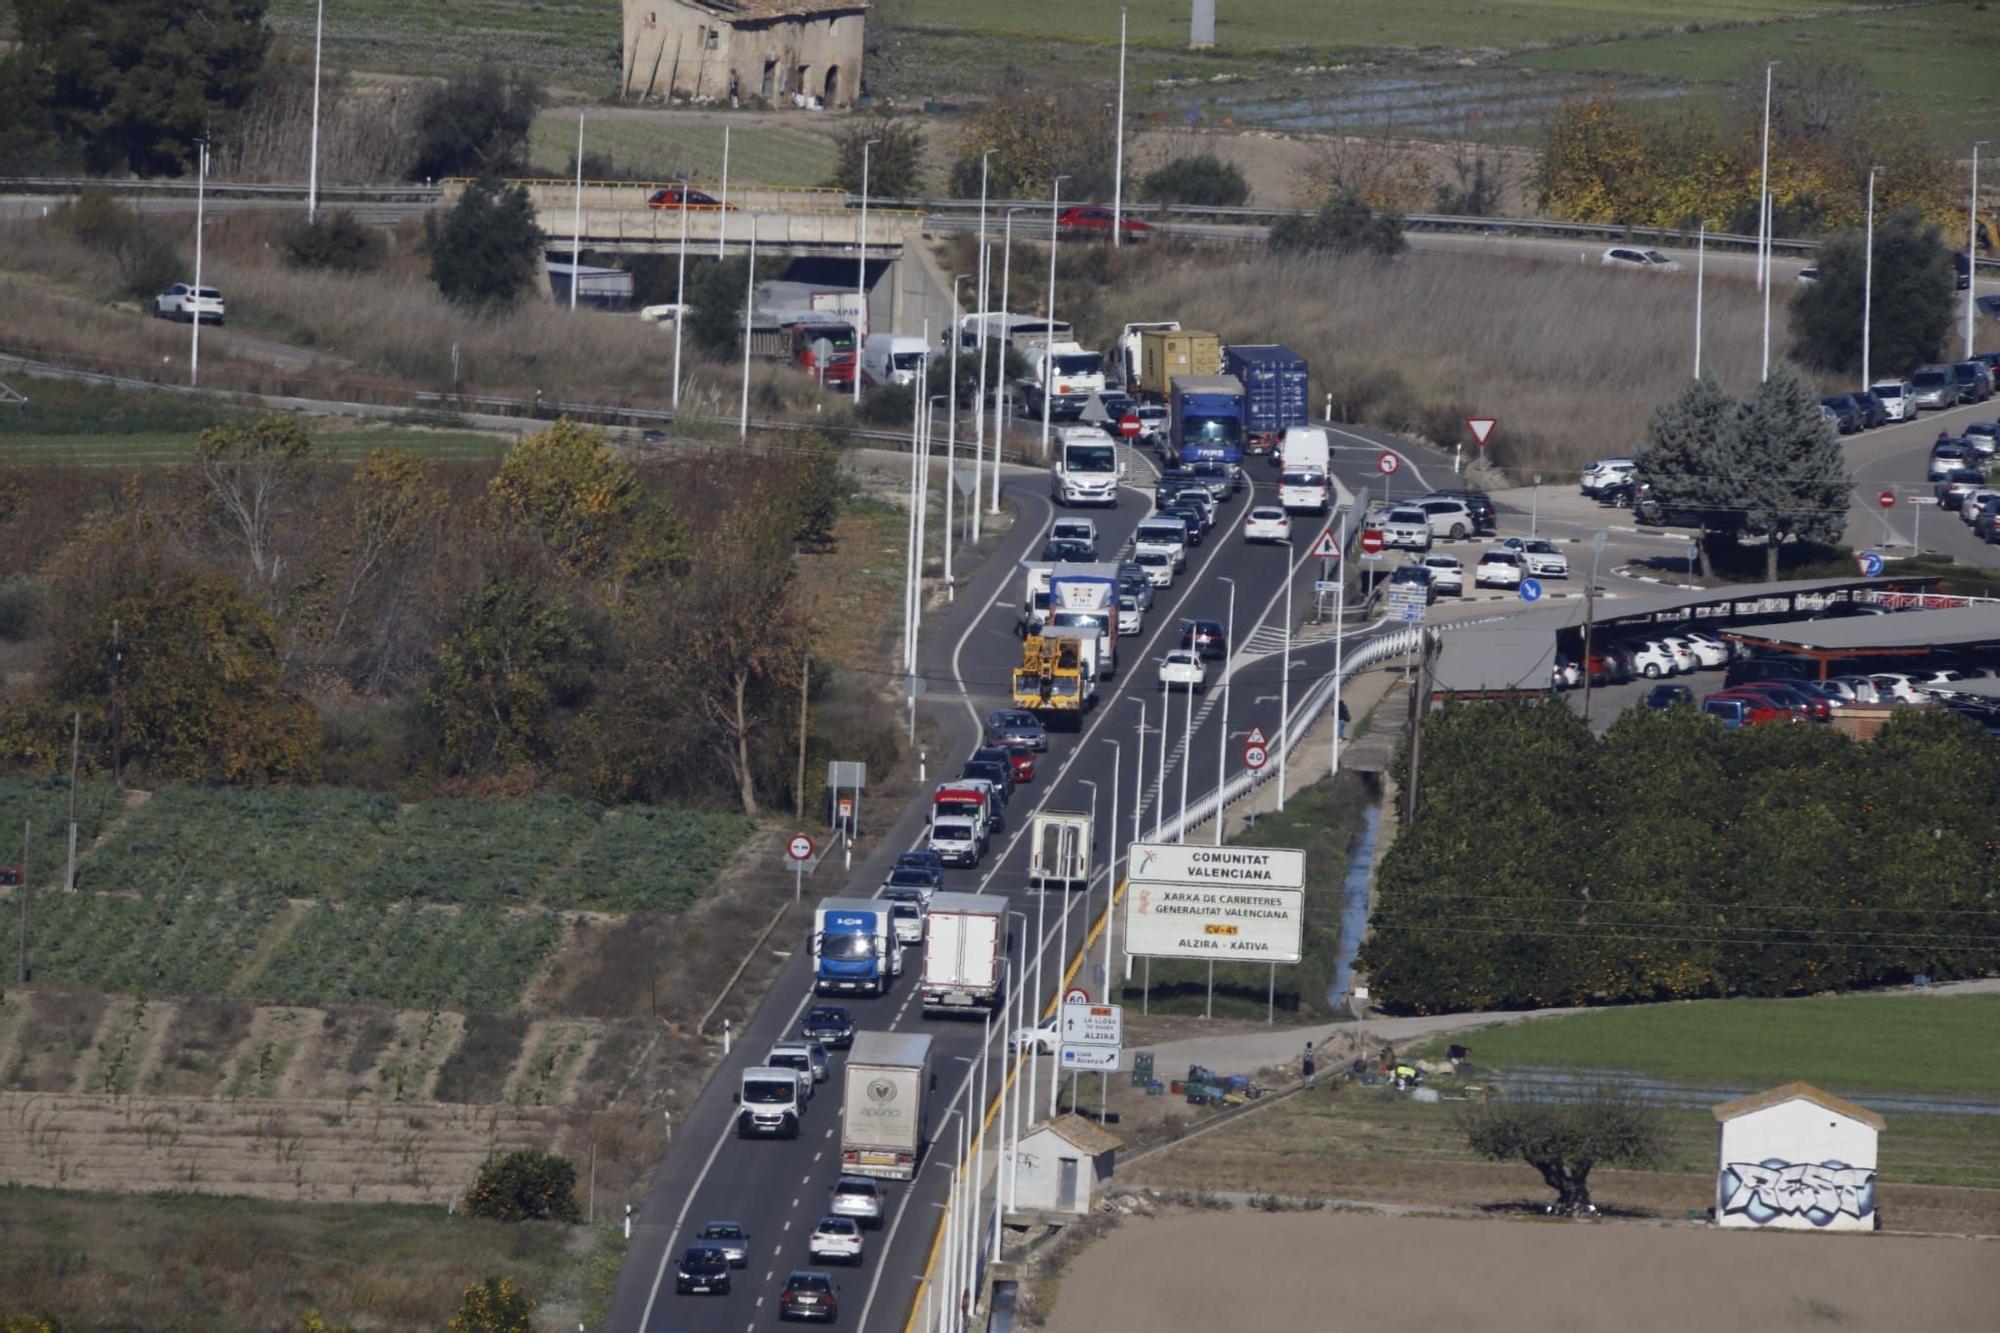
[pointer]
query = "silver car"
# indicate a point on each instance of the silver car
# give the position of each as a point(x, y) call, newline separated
point(730, 1238)
point(1935, 388)
point(857, 1197)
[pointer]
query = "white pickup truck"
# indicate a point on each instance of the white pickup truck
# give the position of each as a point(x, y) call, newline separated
point(1167, 536)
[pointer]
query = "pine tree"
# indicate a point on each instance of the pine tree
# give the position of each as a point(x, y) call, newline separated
point(1691, 443)
point(1911, 297)
point(486, 253)
point(1790, 472)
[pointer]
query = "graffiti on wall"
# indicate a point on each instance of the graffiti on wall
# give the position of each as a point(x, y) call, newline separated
point(1816, 1191)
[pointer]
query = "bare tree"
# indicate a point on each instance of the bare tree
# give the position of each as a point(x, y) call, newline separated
point(252, 472)
point(1564, 1140)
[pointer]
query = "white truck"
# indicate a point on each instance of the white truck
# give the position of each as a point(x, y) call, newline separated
point(965, 952)
point(1061, 371)
point(884, 1109)
point(1086, 597)
point(768, 1103)
point(1085, 469)
point(1035, 600)
point(892, 358)
point(1305, 449)
point(1167, 536)
point(1059, 850)
point(1093, 648)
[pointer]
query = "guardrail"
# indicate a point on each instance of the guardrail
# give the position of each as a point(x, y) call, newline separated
point(394, 192)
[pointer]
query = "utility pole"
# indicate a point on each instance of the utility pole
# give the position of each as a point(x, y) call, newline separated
point(1419, 696)
point(805, 677)
point(117, 707)
point(27, 828)
point(75, 742)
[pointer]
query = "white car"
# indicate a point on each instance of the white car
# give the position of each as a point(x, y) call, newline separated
point(1267, 523)
point(1860, 689)
point(1041, 1037)
point(1130, 618)
point(858, 1197)
point(1625, 256)
point(1730, 651)
point(1152, 423)
point(1183, 669)
point(1544, 559)
point(1447, 575)
point(1708, 654)
point(1407, 529)
point(1898, 396)
point(1301, 490)
point(1969, 508)
point(185, 302)
point(835, 1238)
point(1449, 519)
point(1654, 660)
point(797, 1057)
point(1896, 688)
point(1606, 472)
point(1498, 569)
point(1686, 656)
point(1158, 567)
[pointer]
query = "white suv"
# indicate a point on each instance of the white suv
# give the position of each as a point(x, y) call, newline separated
point(1899, 397)
point(1447, 575)
point(1606, 472)
point(1449, 519)
point(1498, 569)
point(187, 303)
point(1409, 529)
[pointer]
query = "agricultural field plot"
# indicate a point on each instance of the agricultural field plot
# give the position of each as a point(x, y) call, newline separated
point(468, 851)
point(573, 45)
point(162, 942)
point(650, 859)
point(154, 449)
point(408, 957)
point(44, 802)
point(291, 841)
point(663, 144)
point(1939, 57)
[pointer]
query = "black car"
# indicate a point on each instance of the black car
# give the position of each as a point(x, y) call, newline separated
point(831, 1025)
point(1206, 637)
point(923, 860)
point(925, 880)
point(994, 756)
point(1478, 503)
point(1874, 412)
point(1418, 575)
point(1666, 696)
point(703, 1268)
point(808, 1296)
point(1975, 381)
point(1619, 495)
point(1846, 412)
point(1064, 551)
point(1016, 727)
point(1171, 483)
point(1190, 517)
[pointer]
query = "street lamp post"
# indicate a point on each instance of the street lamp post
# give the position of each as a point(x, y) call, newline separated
point(576, 221)
point(680, 294)
point(1868, 284)
point(722, 213)
point(1700, 281)
point(1339, 625)
point(1118, 153)
point(861, 268)
point(194, 324)
point(1972, 247)
point(1285, 679)
point(951, 441)
point(1187, 756)
point(1764, 218)
point(312, 157)
point(985, 296)
point(749, 315)
point(1000, 370)
point(1222, 733)
point(1062, 951)
point(1048, 344)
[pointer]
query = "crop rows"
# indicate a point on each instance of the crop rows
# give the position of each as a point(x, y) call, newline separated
point(171, 943)
point(649, 859)
point(474, 851)
point(292, 841)
point(45, 802)
point(408, 957)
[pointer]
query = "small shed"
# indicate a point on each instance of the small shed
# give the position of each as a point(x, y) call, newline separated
point(1063, 1163)
point(1796, 1157)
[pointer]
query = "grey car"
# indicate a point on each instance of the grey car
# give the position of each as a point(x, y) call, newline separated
point(1016, 727)
point(1935, 388)
point(730, 1238)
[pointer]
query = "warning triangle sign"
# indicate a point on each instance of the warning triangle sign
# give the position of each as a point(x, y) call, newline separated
point(1256, 736)
point(1326, 548)
point(1481, 427)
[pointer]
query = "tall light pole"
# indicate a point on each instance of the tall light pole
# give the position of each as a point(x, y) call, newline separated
point(1972, 247)
point(1000, 372)
point(861, 270)
point(312, 156)
point(1111, 866)
point(1048, 343)
point(1187, 756)
point(1868, 284)
point(194, 324)
point(1062, 949)
point(1285, 679)
point(1222, 734)
point(680, 293)
point(1764, 219)
point(722, 212)
point(1118, 153)
point(1700, 281)
point(1139, 770)
point(951, 439)
point(985, 296)
point(1339, 624)
point(749, 315)
point(576, 224)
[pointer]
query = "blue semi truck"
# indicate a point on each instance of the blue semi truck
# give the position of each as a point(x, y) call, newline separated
point(1209, 417)
point(854, 947)
point(1275, 392)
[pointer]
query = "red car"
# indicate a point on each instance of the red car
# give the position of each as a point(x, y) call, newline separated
point(680, 196)
point(1024, 764)
point(1744, 710)
point(1808, 706)
point(1088, 220)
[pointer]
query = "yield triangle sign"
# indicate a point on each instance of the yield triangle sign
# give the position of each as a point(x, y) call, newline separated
point(1256, 736)
point(1326, 548)
point(1481, 427)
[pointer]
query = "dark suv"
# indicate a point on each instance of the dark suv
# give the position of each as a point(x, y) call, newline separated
point(1975, 380)
point(831, 1025)
point(1846, 412)
point(1206, 637)
point(1874, 412)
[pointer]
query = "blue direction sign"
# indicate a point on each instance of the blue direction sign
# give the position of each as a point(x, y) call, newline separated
point(1871, 564)
point(1531, 590)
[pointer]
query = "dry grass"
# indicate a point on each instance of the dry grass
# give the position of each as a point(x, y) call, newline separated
point(1570, 358)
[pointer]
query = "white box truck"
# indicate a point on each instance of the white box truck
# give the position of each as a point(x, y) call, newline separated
point(1059, 850)
point(884, 1108)
point(964, 953)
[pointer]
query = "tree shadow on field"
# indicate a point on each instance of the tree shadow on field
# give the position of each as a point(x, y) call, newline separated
point(1540, 1208)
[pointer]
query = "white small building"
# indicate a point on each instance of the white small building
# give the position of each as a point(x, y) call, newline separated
point(1796, 1157)
point(1063, 1164)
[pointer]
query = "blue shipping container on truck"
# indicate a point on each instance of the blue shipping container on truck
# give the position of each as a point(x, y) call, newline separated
point(1275, 385)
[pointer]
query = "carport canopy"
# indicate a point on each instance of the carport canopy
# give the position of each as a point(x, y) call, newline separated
point(1901, 634)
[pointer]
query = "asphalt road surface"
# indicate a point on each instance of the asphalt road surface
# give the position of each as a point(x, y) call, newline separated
point(778, 1189)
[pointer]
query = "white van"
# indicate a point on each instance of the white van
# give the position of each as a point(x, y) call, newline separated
point(892, 358)
point(1305, 449)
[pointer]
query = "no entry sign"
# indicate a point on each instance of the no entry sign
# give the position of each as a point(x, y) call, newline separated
point(1371, 541)
point(1129, 426)
point(1887, 499)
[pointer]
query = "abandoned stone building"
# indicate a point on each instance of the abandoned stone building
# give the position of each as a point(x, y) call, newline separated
point(780, 52)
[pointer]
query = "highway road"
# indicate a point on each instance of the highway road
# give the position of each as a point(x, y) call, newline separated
point(1894, 458)
point(778, 1189)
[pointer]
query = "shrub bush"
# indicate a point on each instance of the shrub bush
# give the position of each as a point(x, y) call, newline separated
point(1202, 179)
point(527, 1185)
point(335, 241)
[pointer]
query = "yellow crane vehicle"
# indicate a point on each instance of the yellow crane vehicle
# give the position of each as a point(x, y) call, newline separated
point(1049, 681)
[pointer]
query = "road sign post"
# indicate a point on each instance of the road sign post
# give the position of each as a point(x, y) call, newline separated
point(1481, 427)
point(1256, 750)
point(1531, 590)
point(800, 850)
point(1387, 464)
point(1887, 500)
point(1130, 426)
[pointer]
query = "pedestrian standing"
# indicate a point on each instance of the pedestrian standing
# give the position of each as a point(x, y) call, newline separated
point(1307, 1065)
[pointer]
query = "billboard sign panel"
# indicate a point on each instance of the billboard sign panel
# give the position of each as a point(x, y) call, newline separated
point(1226, 904)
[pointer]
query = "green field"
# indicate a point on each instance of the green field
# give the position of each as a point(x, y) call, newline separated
point(665, 144)
point(1851, 1043)
point(150, 449)
point(1939, 57)
point(572, 45)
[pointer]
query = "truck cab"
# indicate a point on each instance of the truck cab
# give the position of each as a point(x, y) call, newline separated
point(1085, 469)
point(1063, 375)
point(768, 1103)
point(824, 350)
point(1209, 419)
point(957, 841)
point(853, 947)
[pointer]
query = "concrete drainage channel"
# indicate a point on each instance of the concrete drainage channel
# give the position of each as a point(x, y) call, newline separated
point(1354, 903)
